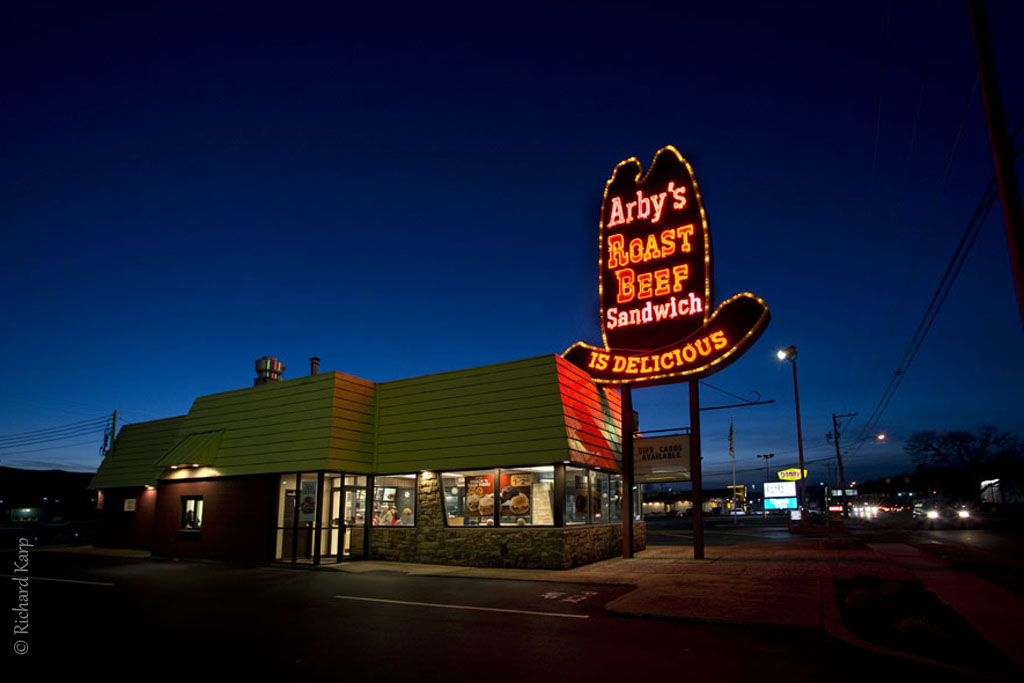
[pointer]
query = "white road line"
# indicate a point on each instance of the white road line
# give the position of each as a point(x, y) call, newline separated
point(47, 578)
point(465, 607)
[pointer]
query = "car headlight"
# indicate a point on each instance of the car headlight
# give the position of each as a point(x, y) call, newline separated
point(963, 514)
point(933, 514)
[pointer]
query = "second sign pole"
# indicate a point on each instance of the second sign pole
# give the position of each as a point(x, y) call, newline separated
point(695, 473)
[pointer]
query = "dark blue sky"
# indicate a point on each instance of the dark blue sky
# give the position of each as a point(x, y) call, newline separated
point(415, 189)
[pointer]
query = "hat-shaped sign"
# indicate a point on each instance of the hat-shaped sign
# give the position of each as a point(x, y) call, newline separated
point(657, 314)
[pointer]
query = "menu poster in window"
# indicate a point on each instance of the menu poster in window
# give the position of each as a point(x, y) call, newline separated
point(480, 495)
point(307, 501)
point(515, 494)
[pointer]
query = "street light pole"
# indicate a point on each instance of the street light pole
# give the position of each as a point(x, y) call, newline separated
point(789, 353)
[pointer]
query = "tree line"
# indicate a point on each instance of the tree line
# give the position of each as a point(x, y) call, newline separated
point(958, 461)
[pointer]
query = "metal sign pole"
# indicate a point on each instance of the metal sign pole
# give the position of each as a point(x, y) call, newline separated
point(695, 474)
point(627, 471)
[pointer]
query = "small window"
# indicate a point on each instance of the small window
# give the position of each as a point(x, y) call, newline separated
point(192, 513)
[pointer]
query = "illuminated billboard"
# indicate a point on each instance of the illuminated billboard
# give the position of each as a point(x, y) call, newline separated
point(779, 489)
point(780, 504)
point(658, 318)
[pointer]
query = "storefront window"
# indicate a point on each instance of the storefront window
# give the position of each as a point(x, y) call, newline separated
point(577, 489)
point(615, 497)
point(599, 498)
point(469, 498)
point(355, 480)
point(394, 500)
point(526, 496)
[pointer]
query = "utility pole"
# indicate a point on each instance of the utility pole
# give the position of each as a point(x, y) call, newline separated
point(839, 457)
point(1002, 148)
point(764, 494)
point(108, 438)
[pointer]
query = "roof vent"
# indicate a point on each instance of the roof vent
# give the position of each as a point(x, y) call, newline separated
point(268, 369)
point(314, 365)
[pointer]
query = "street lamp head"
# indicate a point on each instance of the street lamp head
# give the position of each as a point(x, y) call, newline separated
point(880, 437)
point(788, 353)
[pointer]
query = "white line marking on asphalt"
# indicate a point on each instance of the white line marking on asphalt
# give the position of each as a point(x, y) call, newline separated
point(47, 578)
point(466, 607)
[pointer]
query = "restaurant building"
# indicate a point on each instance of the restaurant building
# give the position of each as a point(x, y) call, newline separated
point(509, 465)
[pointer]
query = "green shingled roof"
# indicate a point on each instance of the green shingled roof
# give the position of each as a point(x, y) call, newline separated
point(317, 422)
point(194, 449)
point(505, 414)
point(132, 459)
point(516, 413)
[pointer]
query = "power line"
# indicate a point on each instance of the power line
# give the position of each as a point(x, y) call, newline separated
point(738, 398)
point(910, 271)
point(54, 434)
point(878, 108)
point(945, 285)
point(54, 437)
point(90, 442)
point(17, 435)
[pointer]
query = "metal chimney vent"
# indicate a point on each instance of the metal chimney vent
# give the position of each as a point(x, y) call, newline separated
point(268, 369)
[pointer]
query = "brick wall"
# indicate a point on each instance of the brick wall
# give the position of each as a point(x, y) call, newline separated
point(238, 519)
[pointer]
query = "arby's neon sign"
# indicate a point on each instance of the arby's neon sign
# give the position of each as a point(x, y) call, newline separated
point(658, 321)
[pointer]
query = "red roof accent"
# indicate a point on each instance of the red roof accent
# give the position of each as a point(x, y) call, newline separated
point(593, 419)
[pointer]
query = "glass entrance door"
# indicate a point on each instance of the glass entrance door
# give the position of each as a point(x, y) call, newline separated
point(355, 518)
point(321, 517)
point(332, 522)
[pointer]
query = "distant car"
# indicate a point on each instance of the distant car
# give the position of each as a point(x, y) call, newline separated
point(943, 515)
point(54, 533)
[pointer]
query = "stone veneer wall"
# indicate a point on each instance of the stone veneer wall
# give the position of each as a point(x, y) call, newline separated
point(431, 542)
